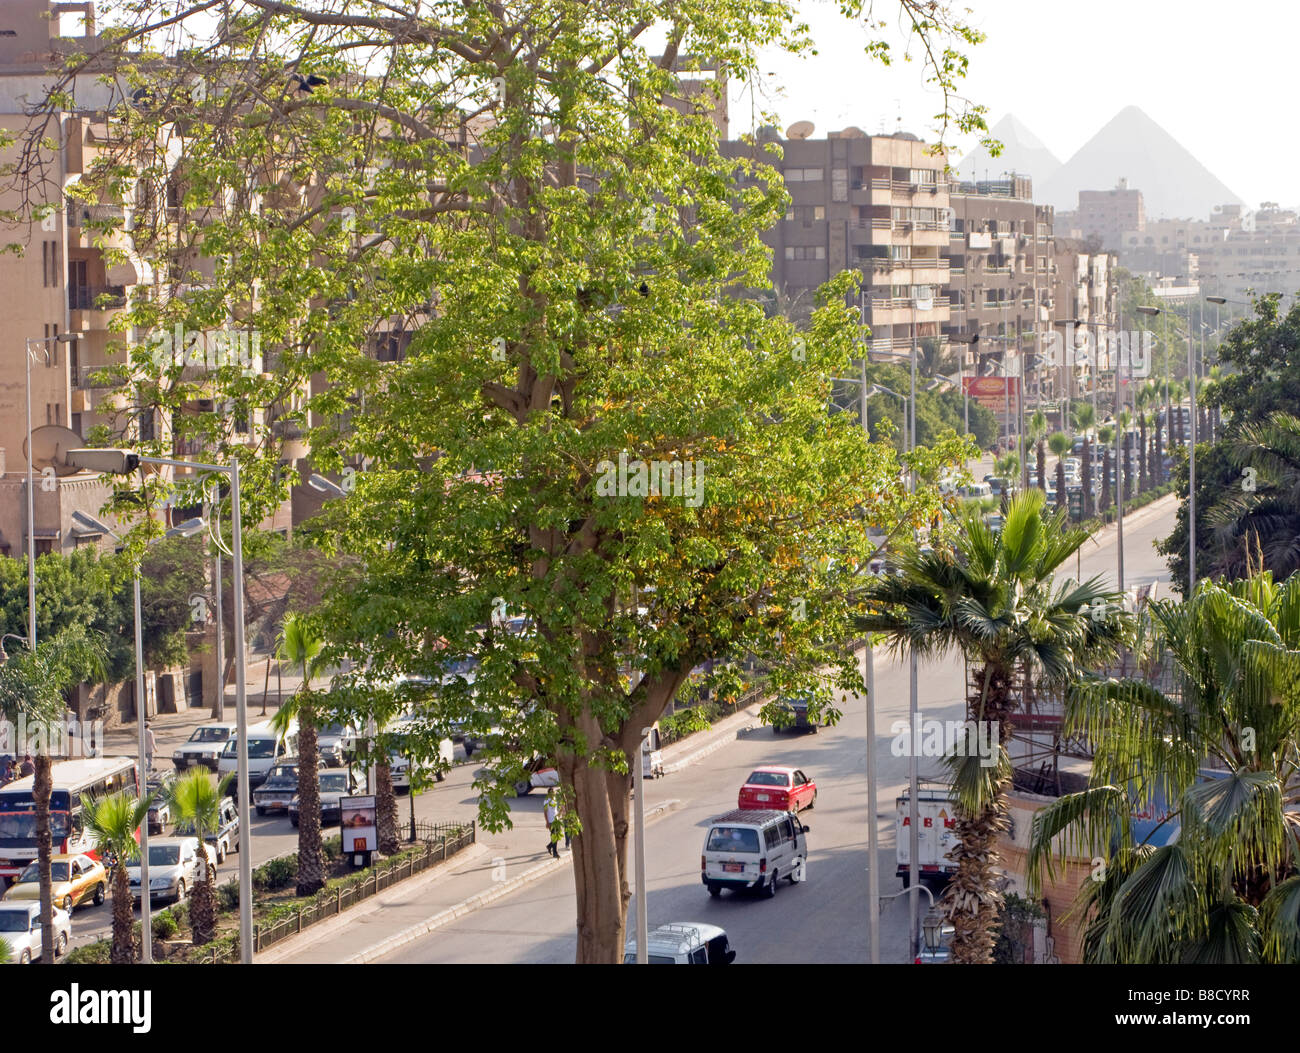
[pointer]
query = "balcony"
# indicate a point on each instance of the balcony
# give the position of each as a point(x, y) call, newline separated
point(96, 297)
point(80, 215)
point(92, 377)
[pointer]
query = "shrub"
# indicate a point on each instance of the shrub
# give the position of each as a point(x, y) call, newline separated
point(164, 925)
point(97, 953)
point(228, 896)
point(277, 873)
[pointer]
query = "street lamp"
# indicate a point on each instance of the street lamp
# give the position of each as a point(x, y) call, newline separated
point(325, 486)
point(186, 529)
point(122, 462)
point(61, 338)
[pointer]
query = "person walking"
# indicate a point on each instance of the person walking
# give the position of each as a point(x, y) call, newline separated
point(149, 746)
point(552, 814)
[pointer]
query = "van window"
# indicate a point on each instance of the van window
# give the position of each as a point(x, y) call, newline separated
point(788, 827)
point(700, 956)
point(772, 835)
point(732, 839)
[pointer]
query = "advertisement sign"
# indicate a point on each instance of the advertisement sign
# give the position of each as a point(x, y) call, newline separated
point(1000, 395)
point(360, 824)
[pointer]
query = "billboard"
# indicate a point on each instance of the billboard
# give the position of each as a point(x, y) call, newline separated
point(999, 395)
point(360, 824)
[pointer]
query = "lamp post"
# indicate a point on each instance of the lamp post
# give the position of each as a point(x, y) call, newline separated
point(122, 462)
point(186, 529)
point(61, 338)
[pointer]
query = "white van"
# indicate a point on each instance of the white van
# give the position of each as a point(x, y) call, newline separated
point(753, 849)
point(265, 748)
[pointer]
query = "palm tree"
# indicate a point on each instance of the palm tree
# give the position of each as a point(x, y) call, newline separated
point(992, 596)
point(115, 821)
point(31, 688)
point(1222, 755)
point(196, 805)
point(1265, 518)
point(1105, 436)
point(300, 645)
point(1143, 398)
point(1215, 431)
point(1059, 444)
point(1037, 430)
point(1123, 473)
point(1085, 417)
point(1007, 466)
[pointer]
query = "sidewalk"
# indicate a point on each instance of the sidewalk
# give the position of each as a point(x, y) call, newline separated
point(496, 866)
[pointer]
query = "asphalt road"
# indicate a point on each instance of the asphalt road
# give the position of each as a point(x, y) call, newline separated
point(821, 920)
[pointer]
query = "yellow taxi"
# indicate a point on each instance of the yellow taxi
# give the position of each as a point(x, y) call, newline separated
point(75, 879)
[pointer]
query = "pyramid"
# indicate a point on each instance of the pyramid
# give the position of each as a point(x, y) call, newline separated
point(1022, 152)
point(1174, 184)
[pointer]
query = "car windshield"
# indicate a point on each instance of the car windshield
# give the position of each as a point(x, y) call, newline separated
point(283, 775)
point(258, 749)
point(210, 735)
point(334, 782)
point(732, 839)
point(334, 731)
point(14, 921)
point(164, 855)
point(651, 959)
point(21, 826)
point(58, 872)
point(768, 778)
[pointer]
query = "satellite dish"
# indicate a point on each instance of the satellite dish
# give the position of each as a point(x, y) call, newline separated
point(799, 130)
point(50, 443)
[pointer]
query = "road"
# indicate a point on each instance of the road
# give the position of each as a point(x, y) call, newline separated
point(821, 920)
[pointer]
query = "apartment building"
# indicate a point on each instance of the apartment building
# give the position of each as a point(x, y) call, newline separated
point(877, 204)
point(1001, 275)
point(1084, 292)
point(1109, 214)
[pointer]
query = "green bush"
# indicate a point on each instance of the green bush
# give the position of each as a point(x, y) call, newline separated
point(97, 953)
point(277, 873)
point(228, 896)
point(164, 925)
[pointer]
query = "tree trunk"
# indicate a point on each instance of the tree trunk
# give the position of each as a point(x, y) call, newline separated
point(1061, 501)
point(1160, 453)
point(1042, 465)
point(1087, 479)
point(600, 860)
point(123, 951)
point(385, 807)
point(203, 900)
point(1144, 480)
point(311, 868)
point(973, 900)
point(41, 788)
point(1104, 495)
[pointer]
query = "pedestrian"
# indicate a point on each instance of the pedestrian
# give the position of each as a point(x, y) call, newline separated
point(28, 766)
point(149, 746)
point(6, 770)
point(552, 814)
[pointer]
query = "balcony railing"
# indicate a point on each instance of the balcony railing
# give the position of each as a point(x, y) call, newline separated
point(79, 215)
point(96, 297)
point(918, 263)
point(93, 377)
point(893, 303)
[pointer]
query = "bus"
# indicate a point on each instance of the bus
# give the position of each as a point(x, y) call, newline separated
point(72, 779)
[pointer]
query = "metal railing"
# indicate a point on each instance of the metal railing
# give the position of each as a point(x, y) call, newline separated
point(93, 377)
point(96, 297)
point(80, 215)
point(441, 841)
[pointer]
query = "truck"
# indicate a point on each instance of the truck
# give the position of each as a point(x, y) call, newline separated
point(937, 825)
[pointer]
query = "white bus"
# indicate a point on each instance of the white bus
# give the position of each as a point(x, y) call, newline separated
point(93, 777)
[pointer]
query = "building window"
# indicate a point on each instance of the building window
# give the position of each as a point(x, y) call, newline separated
point(804, 175)
point(805, 252)
point(805, 214)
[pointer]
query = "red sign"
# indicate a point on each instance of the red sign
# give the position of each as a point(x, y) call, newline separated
point(1000, 395)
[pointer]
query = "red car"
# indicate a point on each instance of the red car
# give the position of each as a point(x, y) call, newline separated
point(785, 789)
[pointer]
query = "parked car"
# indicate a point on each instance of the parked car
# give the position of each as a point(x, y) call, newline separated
point(75, 879)
point(753, 850)
point(786, 789)
point(160, 813)
point(994, 520)
point(225, 838)
point(280, 787)
point(330, 741)
point(20, 927)
point(797, 707)
point(174, 868)
point(203, 747)
point(266, 748)
point(683, 943)
point(335, 784)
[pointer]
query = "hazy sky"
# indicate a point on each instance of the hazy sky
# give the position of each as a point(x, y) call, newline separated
point(1220, 78)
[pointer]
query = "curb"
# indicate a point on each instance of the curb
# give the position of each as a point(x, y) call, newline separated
point(451, 914)
point(724, 738)
point(273, 955)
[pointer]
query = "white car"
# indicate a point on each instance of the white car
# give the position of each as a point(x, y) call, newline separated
point(174, 868)
point(683, 943)
point(203, 747)
point(20, 927)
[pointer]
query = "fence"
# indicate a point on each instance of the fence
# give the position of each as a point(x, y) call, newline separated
point(441, 842)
